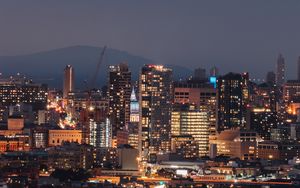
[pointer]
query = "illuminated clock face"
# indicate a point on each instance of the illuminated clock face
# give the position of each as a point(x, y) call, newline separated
point(134, 107)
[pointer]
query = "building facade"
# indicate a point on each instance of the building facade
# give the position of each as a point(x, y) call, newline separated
point(186, 120)
point(119, 91)
point(232, 100)
point(155, 97)
point(203, 96)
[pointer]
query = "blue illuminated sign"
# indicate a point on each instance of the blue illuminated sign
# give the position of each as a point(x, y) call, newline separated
point(213, 81)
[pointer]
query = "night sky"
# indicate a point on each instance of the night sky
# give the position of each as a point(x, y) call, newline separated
point(233, 35)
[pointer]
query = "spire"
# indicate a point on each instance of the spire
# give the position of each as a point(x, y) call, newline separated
point(133, 96)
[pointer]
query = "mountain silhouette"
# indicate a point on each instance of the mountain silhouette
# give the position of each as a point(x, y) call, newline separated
point(47, 66)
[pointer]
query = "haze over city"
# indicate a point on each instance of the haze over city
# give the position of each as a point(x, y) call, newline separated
point(149, 94)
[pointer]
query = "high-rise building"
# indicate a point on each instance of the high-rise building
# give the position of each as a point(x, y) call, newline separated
point(200, 74)
point(232, 97)
point(280, 71)
point(271, 78)
point(155, 96)
point(133, 127)
point(119, 91)
point(68, 80)
point(186, 120)
point(202, 95)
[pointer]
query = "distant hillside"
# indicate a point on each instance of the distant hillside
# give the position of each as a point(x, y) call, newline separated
point(47, 67)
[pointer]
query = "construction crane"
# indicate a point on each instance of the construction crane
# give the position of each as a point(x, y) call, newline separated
point(89, 112)
point(91, 83)
point(94, 78)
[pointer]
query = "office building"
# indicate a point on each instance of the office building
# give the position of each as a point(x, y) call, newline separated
point(185, 146)
point(186, 120)
point(237, 143)
point(202, 95)
point(68, 85)
point(285, 150)
point(155, 98)
point(15, 91)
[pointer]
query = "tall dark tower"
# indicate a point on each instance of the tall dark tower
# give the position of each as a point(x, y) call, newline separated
point(68, 85)
point(155, 96)
point(119, 91)
point(280, 71)
point(232, 98)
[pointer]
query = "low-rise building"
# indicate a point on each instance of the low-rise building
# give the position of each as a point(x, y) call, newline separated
point(237, 143)
point(57, 137)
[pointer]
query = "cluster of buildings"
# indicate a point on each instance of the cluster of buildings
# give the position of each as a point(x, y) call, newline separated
point(131, 123)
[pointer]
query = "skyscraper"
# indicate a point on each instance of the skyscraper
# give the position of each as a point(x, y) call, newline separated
point(155, 98)
point(68, 80)
point(202, 95)
point(119, 91)
point(280, 71)
point(231, 101)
